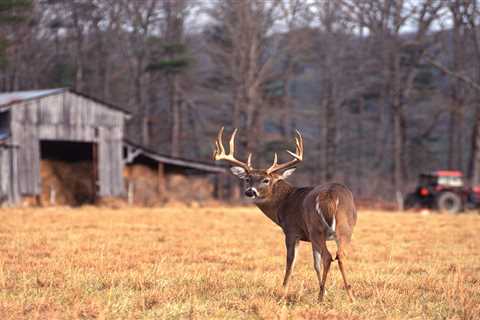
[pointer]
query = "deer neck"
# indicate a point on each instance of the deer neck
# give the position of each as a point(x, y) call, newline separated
point(271, 205)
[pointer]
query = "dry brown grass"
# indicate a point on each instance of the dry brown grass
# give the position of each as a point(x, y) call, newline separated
point(228, 263)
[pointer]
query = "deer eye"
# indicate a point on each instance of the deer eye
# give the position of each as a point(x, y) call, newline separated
point(266, 180)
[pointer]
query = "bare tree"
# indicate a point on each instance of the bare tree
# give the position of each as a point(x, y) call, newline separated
point(246, 52)
point(401, 54)
point(175, 15)
point(142, 18)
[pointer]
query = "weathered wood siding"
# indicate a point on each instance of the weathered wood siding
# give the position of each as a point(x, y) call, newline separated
point(9, 191)
point(68, 117)
point(110, 171)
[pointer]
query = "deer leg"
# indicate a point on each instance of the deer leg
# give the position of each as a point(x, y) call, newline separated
point(341, 258)
point(317, 260)
point(321, 246)
point(292, 248)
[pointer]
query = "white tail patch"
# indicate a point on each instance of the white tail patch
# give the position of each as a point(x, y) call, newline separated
point(334, 222)
point(330, 229)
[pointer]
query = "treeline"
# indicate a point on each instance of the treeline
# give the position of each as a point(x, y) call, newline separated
point(380, 89)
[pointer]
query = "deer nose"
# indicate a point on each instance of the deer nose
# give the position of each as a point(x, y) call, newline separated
point(249, 192)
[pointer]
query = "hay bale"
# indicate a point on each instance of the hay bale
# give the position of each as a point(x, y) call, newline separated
point(189, 188)
point(181, 189)
point(72, 182)
point(145, 184)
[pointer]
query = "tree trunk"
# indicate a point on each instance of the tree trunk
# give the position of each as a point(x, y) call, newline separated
point(331, 143)
point(474, 164)
point(398, 150)
point(233, 183)
point(330, 134)
point(175, 110)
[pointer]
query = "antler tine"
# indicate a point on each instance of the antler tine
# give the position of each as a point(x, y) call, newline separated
point(220, 154)
point(298, 147)
point(218, 142)
point(298, 156)
point(249, 161)
point(232, 142)
point(301, 141)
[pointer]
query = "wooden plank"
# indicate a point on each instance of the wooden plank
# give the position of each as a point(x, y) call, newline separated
point(77, 133)
point(4, 175)
point(14, 183)
point(36, 178)
point(118, 188)
point(28, 160)
point(8, 179)
point(103, 164)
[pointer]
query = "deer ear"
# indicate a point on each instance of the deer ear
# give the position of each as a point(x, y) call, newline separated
point(239, 172)
point(287, 173)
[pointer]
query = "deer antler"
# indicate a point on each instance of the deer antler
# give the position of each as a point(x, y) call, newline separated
point(220, 154)
point(298, 156)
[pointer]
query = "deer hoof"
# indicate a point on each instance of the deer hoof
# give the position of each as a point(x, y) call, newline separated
point(351, 298)
point(321, 295)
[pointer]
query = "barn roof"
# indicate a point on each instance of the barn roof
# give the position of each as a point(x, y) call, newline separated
point(9, 98)
point(182, 162)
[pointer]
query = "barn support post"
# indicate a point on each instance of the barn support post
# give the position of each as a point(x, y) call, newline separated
point(161, 179)
point(219, 184)
point(53, 196)
point(131, 193)
point(217, 187)
point(94, 172)
point(15, 189)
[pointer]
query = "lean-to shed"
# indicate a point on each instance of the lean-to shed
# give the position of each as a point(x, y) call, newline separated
point(152, 177)
point(33, 123)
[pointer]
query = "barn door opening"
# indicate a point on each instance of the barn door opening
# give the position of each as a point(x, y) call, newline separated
point(68, 172)
point(4, 125)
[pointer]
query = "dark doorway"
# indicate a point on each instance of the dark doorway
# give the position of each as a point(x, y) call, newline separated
point(68, 172)
point(4, 125)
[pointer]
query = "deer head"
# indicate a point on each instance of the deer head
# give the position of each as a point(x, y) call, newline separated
point(258, 182)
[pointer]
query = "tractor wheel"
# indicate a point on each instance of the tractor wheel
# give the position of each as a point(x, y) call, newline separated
point(449, 202)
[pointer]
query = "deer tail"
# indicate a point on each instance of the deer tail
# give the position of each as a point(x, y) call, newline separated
point(329, 228)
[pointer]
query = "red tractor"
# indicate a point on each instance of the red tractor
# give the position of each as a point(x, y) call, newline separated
point(445, 191)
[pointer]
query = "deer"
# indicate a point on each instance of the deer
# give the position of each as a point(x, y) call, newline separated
point(314, 214)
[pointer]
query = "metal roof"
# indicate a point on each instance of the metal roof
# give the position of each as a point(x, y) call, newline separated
point(9, 98)
point(182, 162)
point(16, 96)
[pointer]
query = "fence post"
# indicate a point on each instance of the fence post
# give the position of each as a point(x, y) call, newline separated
point(131, 192)
point(53, 196)
point(400, 201)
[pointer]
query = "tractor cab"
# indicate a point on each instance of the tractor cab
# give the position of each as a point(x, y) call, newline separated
point(441, 180)
point(443, 189)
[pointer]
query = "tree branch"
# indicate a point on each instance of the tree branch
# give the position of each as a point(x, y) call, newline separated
point(449, 72)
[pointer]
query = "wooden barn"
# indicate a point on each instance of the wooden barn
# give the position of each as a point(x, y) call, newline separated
point(60, 146)
point(36, 125)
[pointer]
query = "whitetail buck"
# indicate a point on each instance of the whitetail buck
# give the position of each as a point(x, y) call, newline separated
point(313, 214)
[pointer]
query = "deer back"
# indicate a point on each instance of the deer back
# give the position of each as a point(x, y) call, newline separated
point(329, 208)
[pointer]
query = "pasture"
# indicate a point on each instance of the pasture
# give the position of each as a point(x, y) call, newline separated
point(228, 263)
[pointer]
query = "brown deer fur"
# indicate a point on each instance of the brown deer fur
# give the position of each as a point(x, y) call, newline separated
point(312, 214)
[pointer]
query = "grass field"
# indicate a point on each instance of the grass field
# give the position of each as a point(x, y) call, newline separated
point(227, 263)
